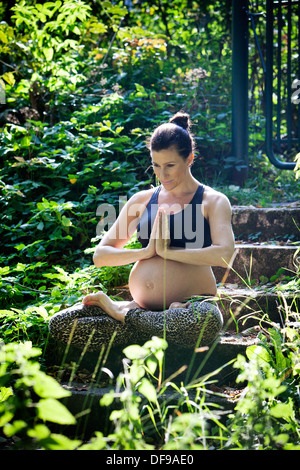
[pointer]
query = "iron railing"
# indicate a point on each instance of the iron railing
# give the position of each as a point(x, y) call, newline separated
point(279, 52)
point(282, 69)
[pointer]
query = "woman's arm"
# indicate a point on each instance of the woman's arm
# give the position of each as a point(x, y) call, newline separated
point(108, 255)
point(110, 251)
point(222, 248)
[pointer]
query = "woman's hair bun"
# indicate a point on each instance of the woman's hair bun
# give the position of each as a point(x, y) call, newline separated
point(182, 120)
point(175, 133)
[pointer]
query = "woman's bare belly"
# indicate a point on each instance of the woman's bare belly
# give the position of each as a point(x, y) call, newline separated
point(155, 283)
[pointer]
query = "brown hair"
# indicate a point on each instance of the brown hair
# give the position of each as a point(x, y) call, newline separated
point(175, 133)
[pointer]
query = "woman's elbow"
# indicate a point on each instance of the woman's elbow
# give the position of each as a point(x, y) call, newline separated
point(98, 259)
point(227, 257)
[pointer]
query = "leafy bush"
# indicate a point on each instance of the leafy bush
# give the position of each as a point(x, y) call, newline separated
point(85, 85)
point(267, 416)
point(149, 413)
point(88, 87)
point(29, 398)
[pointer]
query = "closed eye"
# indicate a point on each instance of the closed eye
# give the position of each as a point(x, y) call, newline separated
point(168, 165)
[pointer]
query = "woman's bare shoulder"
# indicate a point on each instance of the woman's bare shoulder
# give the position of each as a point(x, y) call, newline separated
point(142, 197)
point(216, 201)
point(138, 202)
point(211, 195)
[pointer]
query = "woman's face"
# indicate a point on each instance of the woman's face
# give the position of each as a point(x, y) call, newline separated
point(170, 168)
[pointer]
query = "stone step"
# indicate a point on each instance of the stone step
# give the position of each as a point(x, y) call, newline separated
point(252, 261)
point(243, 308)
point(247, 306)
point(190, 367)
point(258, 223)
point(245, 312)
point(84, 402)
point(181, 365)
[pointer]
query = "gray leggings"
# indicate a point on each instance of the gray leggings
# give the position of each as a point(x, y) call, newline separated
point(196, 325)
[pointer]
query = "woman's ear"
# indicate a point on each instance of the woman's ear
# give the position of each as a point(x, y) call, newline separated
point(190, 159)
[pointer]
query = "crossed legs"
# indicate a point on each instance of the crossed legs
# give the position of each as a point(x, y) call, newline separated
point(118, 309)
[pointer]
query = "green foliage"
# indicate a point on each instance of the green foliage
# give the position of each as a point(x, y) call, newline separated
point(267, 415)
point(85, 84)
point(29, 399)
point(147, 412)
point(48, 35)
point(128, 420)
point(74, 127)
point(81, 102)
point(31, 293)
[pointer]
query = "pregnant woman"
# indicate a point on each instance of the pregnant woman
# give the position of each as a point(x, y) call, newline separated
point(184, 228)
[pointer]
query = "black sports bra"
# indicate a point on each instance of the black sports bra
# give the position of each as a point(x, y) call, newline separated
point(188, 227)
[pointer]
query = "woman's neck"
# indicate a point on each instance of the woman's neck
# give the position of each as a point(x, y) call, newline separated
point(182, 192)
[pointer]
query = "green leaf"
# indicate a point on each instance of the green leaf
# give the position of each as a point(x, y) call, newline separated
point(25, 141)
point(40, 431)
point(283, 410)
point(40, 310)
point(20, 246)
point(8, 313)
point(5, 416)
point(5, 392)
point(134, 351)
point(65, 221)
point(48, 53)
point(281, 439)
point(96, 443)
point(107, 399)
point(9, 78)
point(3, 37)
point(59, 442)
point(148, 390)
point(156, 343)
point(261, 354)
point(54, 411)
point(4, 271)
point(151, 364)
point(10, 429)
point(48, 387)
point(136, 372)
point(141, 92)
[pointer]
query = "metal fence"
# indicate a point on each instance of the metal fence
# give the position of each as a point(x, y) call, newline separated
point(279, 54)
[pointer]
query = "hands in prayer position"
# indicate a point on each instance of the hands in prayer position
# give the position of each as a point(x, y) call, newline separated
point(160, 236)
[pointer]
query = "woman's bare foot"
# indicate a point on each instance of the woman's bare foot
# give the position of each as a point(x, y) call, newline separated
point(113, 308)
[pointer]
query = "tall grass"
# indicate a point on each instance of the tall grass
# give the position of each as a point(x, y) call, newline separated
point(188, 410)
